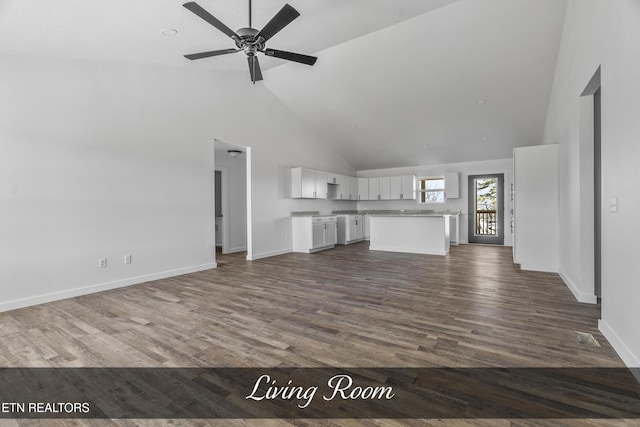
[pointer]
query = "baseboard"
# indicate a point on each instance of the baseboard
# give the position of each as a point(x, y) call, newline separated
point(235, 250)
point(537, 267)
point(418, 251)
point(579, 296)
point(70, 293)
point(629, 359)
point(254, 257)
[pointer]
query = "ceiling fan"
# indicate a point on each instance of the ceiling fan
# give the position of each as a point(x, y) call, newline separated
point(251, 41)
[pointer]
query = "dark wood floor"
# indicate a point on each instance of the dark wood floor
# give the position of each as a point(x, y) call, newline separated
point(344, 307)
point(347, 307)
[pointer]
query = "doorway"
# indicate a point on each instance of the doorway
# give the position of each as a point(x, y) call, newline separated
point(591, 187)
point(231, 192)
point(486, 209)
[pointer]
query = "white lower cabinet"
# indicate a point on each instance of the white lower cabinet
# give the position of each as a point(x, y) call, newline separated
point(313, 233)
point(350, 229)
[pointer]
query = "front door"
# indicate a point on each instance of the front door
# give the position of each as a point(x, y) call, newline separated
point(486, 209)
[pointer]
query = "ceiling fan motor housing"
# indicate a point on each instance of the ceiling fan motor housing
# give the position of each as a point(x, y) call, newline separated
point(248, 42)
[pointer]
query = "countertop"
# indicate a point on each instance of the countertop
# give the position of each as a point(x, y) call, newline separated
point(408, 212)
point(414, 214)
point(310, 214)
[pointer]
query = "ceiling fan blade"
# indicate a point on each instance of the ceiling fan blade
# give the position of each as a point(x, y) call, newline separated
point(254, 68)
point(290, 56)
point(200, 55)
point(283, 18)
point(198, 10)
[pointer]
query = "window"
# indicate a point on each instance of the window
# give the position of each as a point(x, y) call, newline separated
point(431, 190)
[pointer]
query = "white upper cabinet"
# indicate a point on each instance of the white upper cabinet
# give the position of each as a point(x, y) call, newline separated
point(321, 185)
point(396, 187)
point(402, 187)
point(363, 188)
point(333, 178)
point(315, 184)
point(308, 184)
point(408, 187)
point(380, 188)
point(385, 188)
point(353, 188)
point(343, 188)
point(451, 185)
point(303, 183)
point(374, 188)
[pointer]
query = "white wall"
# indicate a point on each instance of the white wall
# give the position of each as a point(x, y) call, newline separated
point(465, 169)
point(102, 160)
point(606, 33)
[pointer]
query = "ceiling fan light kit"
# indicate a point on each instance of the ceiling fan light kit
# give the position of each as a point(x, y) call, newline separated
point(250, 40)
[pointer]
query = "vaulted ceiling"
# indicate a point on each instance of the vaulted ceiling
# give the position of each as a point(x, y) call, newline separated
point(397, 82)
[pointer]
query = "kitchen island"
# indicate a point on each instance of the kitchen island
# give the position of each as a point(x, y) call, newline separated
point(411, 232)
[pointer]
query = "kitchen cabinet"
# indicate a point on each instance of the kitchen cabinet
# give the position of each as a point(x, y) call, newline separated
point(315, 184)
point(308, 184)
point(303, 183)
point(385, 188)
point(408, 187)
point(321, 185)
point(313, 233)
point(317, 234)
point(350, 229)
point(353, 188)
point(451, 185)
point(396, 187)
point(403, 187)
point(374, 189)
point(343, 188)
point(363, 188)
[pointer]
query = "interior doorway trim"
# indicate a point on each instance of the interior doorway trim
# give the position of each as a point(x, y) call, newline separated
point(224, 196)
point(249, 207)
point(590, 191)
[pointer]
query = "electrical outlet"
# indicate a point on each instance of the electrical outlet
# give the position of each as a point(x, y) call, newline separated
point(102, 263)
point(127, 259)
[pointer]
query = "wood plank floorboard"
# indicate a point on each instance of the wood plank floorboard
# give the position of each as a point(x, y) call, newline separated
point(346, 307)
point(378, 304)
